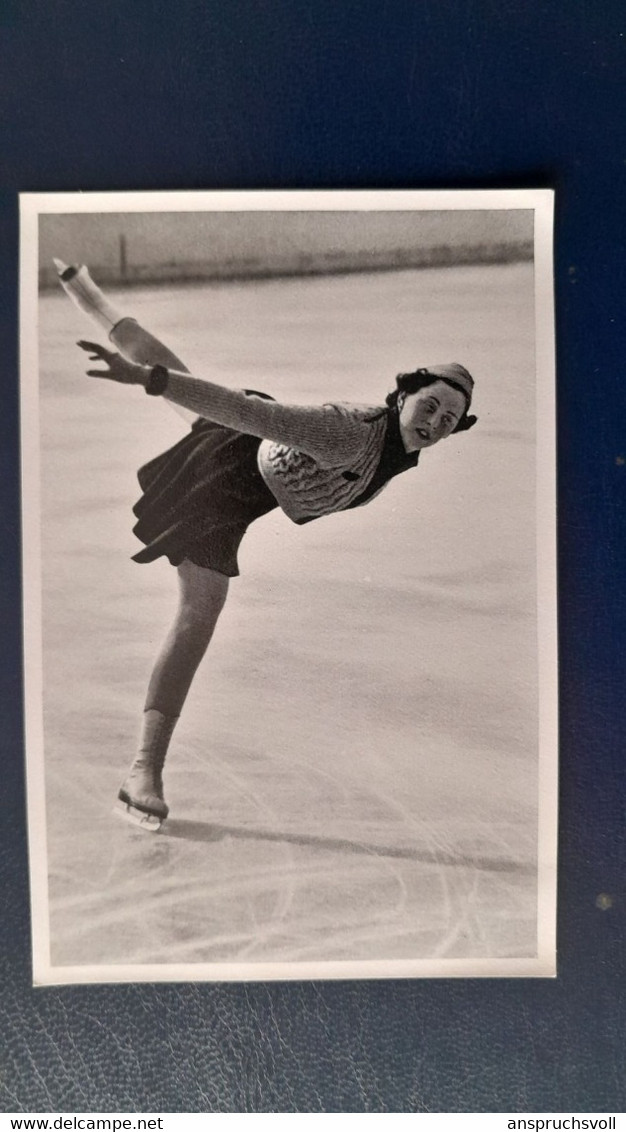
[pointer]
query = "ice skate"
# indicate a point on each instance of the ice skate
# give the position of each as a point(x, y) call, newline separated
point(140, 798)
point(81, 289)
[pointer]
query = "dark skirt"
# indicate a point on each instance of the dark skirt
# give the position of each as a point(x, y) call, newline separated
point(199, 498)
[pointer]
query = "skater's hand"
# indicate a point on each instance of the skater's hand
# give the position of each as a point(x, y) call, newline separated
point(119, 368)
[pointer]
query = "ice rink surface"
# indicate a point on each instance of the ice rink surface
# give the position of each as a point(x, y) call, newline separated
point(355, 773)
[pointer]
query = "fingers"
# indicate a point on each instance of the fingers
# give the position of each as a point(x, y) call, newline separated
point(96, 352)
point(90, 346)
point(118, 370)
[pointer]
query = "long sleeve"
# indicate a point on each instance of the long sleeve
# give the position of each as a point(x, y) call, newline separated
point(328, 433)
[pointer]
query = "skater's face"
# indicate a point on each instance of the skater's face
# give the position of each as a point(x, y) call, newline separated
point(430, 415)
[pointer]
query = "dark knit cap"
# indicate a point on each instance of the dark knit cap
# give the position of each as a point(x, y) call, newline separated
point(456, 374)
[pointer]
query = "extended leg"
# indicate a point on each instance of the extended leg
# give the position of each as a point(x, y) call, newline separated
point(138, 345)
point(202, 593)
point(135, 343)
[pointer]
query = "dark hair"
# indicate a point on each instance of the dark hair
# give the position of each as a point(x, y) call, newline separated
point(421, 379)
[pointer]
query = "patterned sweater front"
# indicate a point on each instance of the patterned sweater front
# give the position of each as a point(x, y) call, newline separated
point(309, 481)
point(315, 459)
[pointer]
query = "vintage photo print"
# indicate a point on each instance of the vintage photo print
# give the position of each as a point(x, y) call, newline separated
point(289, 584)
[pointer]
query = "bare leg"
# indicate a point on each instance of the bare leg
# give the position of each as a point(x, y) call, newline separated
point(138, 345)
point(202, 593)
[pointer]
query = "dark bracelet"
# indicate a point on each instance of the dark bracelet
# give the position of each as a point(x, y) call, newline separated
point(157, 380)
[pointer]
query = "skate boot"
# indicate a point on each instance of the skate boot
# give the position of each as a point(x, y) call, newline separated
point(140, 798)
point(81, 289)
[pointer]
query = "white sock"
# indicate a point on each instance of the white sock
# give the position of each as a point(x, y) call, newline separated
point(156, 733)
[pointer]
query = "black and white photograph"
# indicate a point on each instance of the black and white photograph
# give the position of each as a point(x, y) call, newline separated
point(289, 577)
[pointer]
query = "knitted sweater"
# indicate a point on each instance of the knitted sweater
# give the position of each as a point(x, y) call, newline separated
point(315, 459)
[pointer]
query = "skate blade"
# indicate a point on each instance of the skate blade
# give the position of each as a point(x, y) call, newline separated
point(150, 823)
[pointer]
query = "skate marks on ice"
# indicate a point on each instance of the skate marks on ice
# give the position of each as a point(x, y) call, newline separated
point(268, 885)
point(350, 840)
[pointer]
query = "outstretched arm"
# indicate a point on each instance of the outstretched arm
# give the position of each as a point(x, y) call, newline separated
point(326, 432)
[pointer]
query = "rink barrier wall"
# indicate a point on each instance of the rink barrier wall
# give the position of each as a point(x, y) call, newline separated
point(126, 273)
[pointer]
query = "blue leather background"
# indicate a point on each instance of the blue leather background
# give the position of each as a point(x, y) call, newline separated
point(350, 93)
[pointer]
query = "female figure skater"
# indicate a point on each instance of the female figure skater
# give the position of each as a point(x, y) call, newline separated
point(245, 455)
